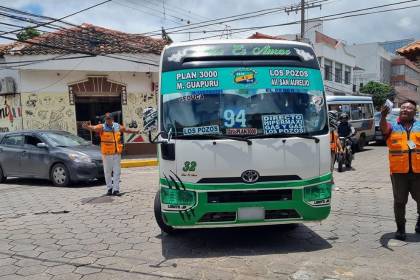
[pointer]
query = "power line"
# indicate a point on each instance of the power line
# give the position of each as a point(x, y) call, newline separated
point(223, 19)
point(185, 12)
point(140, 10)
point(324, 18)
point(273, 10)
point(58, 19)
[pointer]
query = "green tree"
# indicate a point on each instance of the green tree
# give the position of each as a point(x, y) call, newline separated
point(28, 33)
point(379, 91)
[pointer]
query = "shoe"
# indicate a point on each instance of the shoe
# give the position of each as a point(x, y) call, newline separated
point(400, 234)
point(116, 193)
point(109, 192)
point(417, 229)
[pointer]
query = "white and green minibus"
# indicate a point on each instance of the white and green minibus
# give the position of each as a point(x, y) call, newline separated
point(243, 135)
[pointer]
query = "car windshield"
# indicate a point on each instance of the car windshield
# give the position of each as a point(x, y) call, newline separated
point(64, 139)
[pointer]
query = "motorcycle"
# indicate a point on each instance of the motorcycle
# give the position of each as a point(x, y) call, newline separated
point(346, 157)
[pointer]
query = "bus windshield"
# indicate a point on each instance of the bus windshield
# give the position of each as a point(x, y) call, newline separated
point(244, 101)
point(245, 112)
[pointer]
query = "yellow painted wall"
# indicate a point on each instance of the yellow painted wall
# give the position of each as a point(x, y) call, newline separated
point(133, 113)
point(48, 111)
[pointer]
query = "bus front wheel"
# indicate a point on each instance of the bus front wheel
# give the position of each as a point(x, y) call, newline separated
point(158, 216)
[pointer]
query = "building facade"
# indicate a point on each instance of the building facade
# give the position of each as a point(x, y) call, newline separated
point(406, 72)
point(392, 46)
point(70, 77)
point(375, 64)
point(336, 62)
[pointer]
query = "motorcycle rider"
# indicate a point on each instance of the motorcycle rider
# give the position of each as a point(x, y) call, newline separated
point(345, 129)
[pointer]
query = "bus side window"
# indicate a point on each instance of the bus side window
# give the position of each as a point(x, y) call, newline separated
point(356, 112)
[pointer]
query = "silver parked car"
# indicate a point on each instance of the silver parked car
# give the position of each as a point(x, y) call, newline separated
point(45, 154)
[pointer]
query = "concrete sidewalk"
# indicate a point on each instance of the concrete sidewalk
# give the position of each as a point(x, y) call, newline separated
point(138, 161)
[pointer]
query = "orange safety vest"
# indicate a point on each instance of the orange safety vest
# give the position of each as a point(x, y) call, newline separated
point(400, 156)
point(111, 140)
point(333, 141)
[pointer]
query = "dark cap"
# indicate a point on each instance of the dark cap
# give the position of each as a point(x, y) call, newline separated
point(108, 116)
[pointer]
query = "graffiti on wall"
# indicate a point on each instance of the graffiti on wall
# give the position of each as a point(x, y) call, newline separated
point(48, 111)
point(133, 113)
point(10, 113)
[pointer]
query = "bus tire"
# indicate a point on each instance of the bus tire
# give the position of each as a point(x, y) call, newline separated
point(159, 218)
point(361, 143)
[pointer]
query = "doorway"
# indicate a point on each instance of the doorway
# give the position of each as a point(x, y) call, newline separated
point(92, 110)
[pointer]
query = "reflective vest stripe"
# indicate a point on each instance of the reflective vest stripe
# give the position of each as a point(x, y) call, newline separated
point(111, 142)
point(400, 156)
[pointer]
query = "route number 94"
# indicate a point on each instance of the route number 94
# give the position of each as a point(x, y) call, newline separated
point(233, 119)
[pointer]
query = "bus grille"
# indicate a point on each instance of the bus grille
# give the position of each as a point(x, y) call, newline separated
point(249, 196)
point(281, 214)
point(218, 217)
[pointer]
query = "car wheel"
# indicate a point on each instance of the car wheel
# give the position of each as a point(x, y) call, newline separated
point(2, 177)
point(159, 218)
point(361, 143)
point(60, 175)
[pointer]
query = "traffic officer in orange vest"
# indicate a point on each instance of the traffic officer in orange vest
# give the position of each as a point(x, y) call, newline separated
point(335, 144)
point(403, 141)
point(111, 147)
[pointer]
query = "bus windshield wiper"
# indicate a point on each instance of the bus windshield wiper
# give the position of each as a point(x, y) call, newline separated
point(214, 136)
point(282, 135)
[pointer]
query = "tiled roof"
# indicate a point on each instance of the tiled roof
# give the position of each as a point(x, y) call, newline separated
point(258, 35)
point(322, 38)
point(410, 48)
point(86, 38)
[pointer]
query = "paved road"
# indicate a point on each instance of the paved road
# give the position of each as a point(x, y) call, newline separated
point(76, 233)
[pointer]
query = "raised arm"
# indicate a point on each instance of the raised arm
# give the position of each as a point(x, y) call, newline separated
point(128, 130)
point(386, 130)
point(94, 128)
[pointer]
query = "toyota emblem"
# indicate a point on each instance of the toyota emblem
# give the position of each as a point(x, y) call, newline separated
point(250, 176)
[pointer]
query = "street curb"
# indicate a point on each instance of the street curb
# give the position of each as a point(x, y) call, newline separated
point(128, 163)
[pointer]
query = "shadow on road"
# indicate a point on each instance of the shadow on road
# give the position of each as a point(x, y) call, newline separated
point(204, 243)
point(47, 183)
point(387, 237)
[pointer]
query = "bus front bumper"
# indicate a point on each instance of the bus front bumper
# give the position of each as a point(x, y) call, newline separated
point(249, 207)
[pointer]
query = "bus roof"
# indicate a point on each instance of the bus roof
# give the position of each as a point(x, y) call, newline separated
point(352, 99)
point(238, 41)
point(238, 53)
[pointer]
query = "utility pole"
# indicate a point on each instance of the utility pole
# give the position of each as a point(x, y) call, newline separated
point(302, 19)
point(302, 7)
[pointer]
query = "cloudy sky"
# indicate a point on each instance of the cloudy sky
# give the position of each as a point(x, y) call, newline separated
point(138, 16)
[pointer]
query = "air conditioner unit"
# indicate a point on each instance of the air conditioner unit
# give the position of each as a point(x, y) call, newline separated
point(7, 86)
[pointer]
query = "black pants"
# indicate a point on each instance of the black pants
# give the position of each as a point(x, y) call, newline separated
point(402, 185)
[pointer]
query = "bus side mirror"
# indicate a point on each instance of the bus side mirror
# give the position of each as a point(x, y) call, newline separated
point(167, 150)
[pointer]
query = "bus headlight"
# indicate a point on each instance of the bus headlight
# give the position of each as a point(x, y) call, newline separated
point(174, 199)
point(317, 195)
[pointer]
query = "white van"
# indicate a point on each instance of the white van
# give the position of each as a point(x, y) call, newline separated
point(360, 112)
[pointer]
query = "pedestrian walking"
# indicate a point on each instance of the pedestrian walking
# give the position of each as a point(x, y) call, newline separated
point(403, 141)
point(111, 148)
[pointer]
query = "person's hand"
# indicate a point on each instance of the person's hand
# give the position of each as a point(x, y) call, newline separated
point(384, 111)
point(85, 125)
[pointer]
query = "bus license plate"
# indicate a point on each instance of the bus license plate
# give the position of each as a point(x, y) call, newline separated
point(251, 213)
